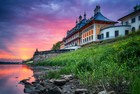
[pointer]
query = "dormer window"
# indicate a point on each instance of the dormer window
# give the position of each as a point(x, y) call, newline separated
point(133, 20)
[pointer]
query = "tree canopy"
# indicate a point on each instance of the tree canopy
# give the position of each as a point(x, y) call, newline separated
point(56, 46)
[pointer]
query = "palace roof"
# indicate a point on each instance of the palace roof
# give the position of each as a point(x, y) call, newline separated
point(97, 17)
point(77, 27)
point(100, 17)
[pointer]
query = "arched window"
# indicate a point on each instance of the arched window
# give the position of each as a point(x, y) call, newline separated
point(133, 29)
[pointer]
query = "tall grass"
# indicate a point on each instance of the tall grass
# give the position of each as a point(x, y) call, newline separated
point(117, 63)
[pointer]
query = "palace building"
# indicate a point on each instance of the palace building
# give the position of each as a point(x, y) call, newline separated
point(99, 28)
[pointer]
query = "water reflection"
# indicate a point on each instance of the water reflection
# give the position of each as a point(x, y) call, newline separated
point(10, 75)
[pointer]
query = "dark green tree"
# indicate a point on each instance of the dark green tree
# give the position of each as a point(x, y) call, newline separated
point(56, 46)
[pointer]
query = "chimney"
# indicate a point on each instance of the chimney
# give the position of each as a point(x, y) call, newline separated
point(85, 15)
point(137, 7)
point(97, 9)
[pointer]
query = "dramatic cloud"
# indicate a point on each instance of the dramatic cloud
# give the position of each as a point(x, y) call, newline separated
point(29, 24)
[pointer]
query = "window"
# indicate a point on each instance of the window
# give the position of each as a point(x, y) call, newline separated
point(102, 36)
point(98, 36)
point(133, 29)
point(116, 33)
point(126, 32)
point(107, 34)
point(126, 23)
point(92, 37)
point(91, 31)
point(83, 40)
point(87, 39)
point(133, 20)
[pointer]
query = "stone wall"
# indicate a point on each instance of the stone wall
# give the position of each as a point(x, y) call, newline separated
point(44, 55)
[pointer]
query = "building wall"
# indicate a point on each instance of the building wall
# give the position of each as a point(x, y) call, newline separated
point(87, 34)
point(92, 32)
point(111, 30)
point(98, 27)
point(128, 19)
point(70, 42)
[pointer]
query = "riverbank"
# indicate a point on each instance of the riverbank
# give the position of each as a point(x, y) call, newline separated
point(114, 64)
point(48, 83)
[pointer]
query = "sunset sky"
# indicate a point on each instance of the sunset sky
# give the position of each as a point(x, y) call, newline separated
point(29, 24)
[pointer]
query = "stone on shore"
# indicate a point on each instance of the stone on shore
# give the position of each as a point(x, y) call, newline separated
point(67, 77)
point(60, 82)
point(102, 92)
point(55, 90)
point(80, 91)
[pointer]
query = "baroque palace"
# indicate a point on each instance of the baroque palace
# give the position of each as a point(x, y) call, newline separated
point(99, 28)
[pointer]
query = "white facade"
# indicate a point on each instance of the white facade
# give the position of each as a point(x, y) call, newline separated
point(132, 19)
point(135, 24)
point(121, 29)
point(72, 47)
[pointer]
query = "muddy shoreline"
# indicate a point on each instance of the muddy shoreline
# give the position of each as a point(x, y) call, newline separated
point(67, 84)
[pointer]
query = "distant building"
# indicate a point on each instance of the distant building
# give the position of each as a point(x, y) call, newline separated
point(99, 28)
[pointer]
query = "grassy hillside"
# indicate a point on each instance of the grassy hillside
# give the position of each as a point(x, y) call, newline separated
point(116, 63)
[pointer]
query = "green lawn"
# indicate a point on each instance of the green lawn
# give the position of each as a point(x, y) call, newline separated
point(116, 63)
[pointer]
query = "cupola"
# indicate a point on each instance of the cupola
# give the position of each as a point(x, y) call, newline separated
point(80, 18)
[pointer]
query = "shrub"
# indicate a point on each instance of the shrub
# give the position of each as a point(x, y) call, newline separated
point(52, 74)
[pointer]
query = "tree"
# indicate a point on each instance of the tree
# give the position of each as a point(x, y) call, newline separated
point(56, 46)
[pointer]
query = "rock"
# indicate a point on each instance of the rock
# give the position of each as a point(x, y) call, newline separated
point(16, 77)
point(51, 81)
point(67, 88)
point(43, 84)
point(27, 83)
point(37, 80)
point(55, 90)
point(23, 81)
point(40, 88)
point(68, 77)
point(34, 92)
point(59, 82)
point(102, 92)
point(80, 91)
point(111, 92)
point(29, 90)
point(35, 83)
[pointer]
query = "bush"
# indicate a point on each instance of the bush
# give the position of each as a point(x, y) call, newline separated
point(52, 74)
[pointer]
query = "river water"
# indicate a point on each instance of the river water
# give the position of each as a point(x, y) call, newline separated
point(11, 75)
